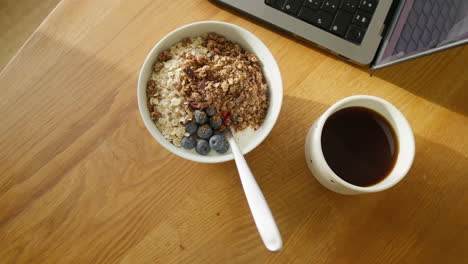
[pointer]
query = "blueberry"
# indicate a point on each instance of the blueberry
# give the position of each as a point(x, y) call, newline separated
point(204, 132)
point(224, 148)
point(216, 122)
point(234, 118)
point(210, 111)
point(200, 117)
point(191, 127)
point(188, 142)
point(202, 147)
point(216, 142)
point(221, 133)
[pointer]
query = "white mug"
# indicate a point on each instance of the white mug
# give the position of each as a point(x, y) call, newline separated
point(405, 138)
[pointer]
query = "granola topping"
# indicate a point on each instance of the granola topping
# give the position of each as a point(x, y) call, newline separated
point(206, 71)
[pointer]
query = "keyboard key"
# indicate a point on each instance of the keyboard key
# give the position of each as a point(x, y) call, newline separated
point(319, 18)
point(355, 34)
point(368, 5)
point(292, 6)
point(278, 4)
point(361, 19)
point(314, 4)
point(331, 5)
point(349, 5)
point(323, 19)
point(341, 23)
point(307, 14)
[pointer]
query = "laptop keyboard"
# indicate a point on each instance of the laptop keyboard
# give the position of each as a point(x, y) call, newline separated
point(347, 19)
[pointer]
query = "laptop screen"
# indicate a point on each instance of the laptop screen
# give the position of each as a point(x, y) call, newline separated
point(422, 27)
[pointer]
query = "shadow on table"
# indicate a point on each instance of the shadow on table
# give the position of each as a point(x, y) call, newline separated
point(77, 91)
point(308, 212)
point(431, 77)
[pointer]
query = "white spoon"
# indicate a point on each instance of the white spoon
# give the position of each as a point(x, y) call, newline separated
point(261, 213)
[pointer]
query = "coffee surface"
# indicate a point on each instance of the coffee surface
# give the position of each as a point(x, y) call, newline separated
point(359, 145)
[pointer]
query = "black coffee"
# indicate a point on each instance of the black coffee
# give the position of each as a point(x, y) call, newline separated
point(359, 145)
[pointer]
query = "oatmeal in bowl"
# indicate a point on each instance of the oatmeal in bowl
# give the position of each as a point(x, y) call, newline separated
point(204, 79)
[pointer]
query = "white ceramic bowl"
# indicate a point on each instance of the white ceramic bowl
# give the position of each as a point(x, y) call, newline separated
point(247, 139)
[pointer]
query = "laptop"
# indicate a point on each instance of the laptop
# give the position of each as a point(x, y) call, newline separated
point(378, 33)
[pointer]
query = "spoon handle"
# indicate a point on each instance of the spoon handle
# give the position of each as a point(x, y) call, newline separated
point(261, 213)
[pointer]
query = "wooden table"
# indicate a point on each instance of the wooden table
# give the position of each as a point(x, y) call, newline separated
point(82, 181)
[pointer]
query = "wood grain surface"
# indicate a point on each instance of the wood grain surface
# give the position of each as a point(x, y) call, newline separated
point(82, 181)
point(18, 20)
